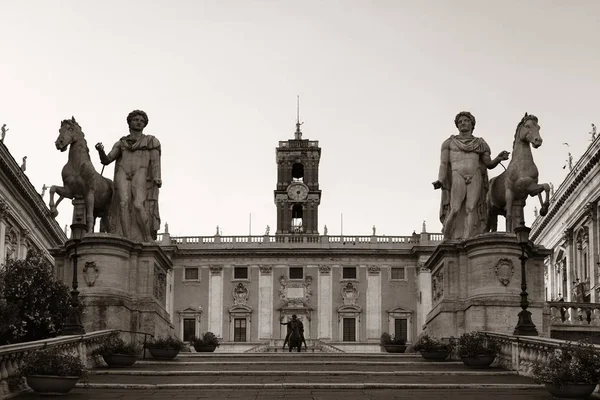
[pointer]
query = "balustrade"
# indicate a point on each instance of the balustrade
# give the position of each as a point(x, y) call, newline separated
point(563, 313)
point(12, 356)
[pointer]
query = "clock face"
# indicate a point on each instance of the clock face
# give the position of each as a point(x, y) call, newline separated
point(297, 191)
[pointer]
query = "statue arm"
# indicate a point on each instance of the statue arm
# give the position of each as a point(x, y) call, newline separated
point(444, 162)
point(155, 163)
point(106, 159)
point(489, 163)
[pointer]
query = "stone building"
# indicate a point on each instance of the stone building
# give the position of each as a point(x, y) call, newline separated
point(570, 229)
point(25, 221)
point(347, 290)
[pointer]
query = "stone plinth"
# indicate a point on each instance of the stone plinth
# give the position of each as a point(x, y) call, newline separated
point(476, 285)
point(123, 284)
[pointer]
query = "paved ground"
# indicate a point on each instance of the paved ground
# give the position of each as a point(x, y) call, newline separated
point(301, 394)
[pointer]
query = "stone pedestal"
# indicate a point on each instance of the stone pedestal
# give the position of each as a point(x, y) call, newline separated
point(123, 284)
point(476, 285)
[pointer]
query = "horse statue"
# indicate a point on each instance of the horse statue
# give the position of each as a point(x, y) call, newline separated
point(509, 190)
point(80, 178)
point(295, 340)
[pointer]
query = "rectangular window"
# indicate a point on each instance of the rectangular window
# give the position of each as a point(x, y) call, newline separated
point(349, 329)
point(191, 274)
point(189, 329)
point(398, 273)
point(401, 328)
point(349, 273)
point(240, 273)
point(239, 330)
point(296, 273)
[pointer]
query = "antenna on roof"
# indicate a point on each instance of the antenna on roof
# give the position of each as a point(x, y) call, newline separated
point(298, 134)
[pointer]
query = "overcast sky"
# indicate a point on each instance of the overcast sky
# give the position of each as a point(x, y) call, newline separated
point(380, 83)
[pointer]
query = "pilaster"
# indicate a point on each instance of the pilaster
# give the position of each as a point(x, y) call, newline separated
point(373, 312)
point(265, 302)
point(215, 300)
point(325, 303)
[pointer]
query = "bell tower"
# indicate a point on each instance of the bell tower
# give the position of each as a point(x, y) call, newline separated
point(297, 196)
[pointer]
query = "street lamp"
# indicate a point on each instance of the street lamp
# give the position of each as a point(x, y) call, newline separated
point(525, 326)
point(78, 228)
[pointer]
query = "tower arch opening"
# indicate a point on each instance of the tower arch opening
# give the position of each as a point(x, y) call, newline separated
point(298, 172)
point(297, 217)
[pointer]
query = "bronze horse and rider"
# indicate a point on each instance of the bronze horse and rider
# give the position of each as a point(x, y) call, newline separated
point(295, 334)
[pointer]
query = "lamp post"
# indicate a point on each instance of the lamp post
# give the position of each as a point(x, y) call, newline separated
point(78, 228)
point(525, 326)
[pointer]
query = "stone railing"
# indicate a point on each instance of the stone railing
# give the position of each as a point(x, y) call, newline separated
point(521, 353)
point(563, 313)
point(12, 355)
point(310, 241)
point(326, 347)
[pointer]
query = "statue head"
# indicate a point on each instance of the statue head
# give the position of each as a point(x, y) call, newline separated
point(134, 114)
point(466, 114)
point(294, 316)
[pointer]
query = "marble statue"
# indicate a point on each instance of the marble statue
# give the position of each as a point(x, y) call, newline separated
point(24, 164)
point(80, 178)
point(325, 230)
point(4, 129)
point(424, 227)
point(44, 188)
point(137, 181)
point(593, 132)
point(217, 234)
point(267, 230)
point(463, 180)
point(166, 227)
point(374, 230)
point(510, 189)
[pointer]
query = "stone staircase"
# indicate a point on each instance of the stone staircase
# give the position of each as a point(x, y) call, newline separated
point(317, 375)
point(313, 346)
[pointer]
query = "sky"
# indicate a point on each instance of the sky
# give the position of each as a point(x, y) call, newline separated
point(379, 81)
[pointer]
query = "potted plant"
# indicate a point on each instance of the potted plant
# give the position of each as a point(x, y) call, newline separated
point(206, 343)
point(571, 371)
point(391, 344)
point(165, 347)
point(50, 371)
point(477, 350)
point(117, 353)
point(432, 349)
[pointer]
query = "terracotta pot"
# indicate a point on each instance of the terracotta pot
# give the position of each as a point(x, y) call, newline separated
point(51, 385)
point(209, 348)
point(571, 390)
point(120, 360)
point(161, 352)
point(479, 361)
point(440, 355)
point(395, 348)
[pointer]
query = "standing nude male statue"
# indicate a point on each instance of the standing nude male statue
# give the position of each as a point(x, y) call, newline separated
point(463, 179)
point(134, 213)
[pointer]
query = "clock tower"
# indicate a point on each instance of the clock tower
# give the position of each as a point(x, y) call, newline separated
point(297, 196)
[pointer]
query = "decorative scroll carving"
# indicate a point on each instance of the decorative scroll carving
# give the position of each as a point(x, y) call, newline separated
point(349, 294)
point(3, 209)
point(216, 269)
point(265, 269)
point(160, 284)
point(240, 295)
point(504, 270)
point(295, 294)
point(373, 269)
point(437, 285)
point(324, 269)
point(90, 273)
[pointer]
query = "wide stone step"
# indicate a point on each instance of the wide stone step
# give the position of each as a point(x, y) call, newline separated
point(308, 378)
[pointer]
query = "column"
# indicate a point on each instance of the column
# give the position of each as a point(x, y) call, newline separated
point(324, 303)
point(592, 255)
point(215, 300)
point(265, 302)
point(373, 312)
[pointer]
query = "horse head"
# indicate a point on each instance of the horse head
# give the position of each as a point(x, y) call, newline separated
point(528, 131)
point(69, 132)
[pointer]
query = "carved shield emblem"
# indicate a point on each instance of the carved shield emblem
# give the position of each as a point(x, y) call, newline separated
point(505, 270)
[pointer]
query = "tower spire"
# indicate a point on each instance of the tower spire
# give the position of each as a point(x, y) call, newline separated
point(298, 134)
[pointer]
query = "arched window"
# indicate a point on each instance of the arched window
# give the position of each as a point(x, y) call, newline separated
point(298, 172)
point(297, 216)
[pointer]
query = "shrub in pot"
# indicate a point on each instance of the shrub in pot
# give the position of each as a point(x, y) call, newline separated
point(50, 371)
point(118, 353)
point(392, 344)
point(165, 347)
point(206, 343)
point(477, 350)
point(571, 370)
point(432, 348)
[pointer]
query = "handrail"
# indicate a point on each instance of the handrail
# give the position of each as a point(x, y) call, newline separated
point(146, 334)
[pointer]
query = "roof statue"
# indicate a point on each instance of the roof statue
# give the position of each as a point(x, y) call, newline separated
point(4, 129)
